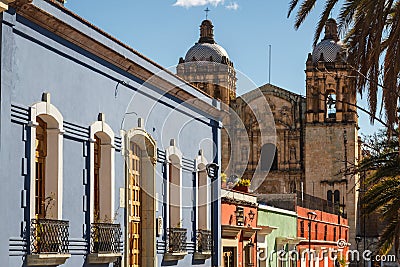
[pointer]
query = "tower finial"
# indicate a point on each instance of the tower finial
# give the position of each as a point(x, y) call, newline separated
point(331, 30)
point(206, 32)
point(207, 10)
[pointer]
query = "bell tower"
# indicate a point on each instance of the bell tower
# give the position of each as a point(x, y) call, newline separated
point(331, 95)
point(331, 131)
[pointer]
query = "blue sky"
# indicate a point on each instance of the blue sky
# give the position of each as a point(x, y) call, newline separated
point(164, 30)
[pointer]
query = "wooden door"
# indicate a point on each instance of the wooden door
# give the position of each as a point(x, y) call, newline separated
point(97, 164)
point(40, 165)
point(135, 206)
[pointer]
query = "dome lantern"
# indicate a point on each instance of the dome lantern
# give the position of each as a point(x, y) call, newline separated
point(330, 47)
point(331, 30)
point(206, 32)
point(206, 49)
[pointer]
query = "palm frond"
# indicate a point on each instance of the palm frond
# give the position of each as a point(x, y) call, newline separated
point(330, 4)
point(292, 6)
point(304, 10)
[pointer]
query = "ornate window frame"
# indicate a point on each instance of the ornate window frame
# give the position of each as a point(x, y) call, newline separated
point(50, 114)
point(201, 163)
point(173, 157)
point(107, 204)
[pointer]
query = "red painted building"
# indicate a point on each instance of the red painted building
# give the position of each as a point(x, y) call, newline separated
point(321, 225)
point(239, 227)
point(326, 233)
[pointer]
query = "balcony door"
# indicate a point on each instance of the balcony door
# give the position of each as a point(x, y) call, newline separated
point(229, 257)
point(40, 166)
point(135, 199)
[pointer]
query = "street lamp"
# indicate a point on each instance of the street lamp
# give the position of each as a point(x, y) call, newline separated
point(251, 215)
point(212, 172)
point(358, 240)
point(311, 216)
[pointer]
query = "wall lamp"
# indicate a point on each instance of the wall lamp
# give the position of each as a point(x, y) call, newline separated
point(251, 215)
point(212, 170)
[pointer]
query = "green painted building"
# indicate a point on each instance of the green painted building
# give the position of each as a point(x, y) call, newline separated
point(278, 232)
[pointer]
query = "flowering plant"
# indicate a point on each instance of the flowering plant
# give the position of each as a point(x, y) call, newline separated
point(244, 182)
point(223, 177)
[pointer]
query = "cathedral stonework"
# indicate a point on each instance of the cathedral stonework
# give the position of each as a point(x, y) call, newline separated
point(316, 137)
point(280, 163)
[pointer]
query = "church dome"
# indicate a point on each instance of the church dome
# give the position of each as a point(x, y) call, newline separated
point(206, 52)
point(328, 49)
point(206, 49)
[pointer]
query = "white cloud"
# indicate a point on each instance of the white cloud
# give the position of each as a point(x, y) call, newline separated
point(232, 6)
point(190, 3)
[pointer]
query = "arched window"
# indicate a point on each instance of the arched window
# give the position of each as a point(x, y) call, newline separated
point(336, 197)
point(174, 157)
point(331, 106)
point(269, 157)
point(46, 160)
point(203, 194)
point(102, 171)
point(329, 197)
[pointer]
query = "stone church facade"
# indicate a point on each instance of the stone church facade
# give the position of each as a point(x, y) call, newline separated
point(316, 136)
point(279, 163)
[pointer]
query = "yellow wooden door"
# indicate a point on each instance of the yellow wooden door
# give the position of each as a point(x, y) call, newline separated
point(135, 207)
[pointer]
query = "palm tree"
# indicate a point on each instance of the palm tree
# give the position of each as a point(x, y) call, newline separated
point(372, 34)
point(383, 194)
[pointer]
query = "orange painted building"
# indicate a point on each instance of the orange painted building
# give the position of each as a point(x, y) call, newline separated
point(326, 233)
point(239, 227)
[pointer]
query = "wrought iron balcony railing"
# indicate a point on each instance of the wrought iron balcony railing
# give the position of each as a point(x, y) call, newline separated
point(105, 238)
point(49, 236)
point(176, 240)
point(203, 241)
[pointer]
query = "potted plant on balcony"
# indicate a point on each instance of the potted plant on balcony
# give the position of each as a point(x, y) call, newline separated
point(223, 180)
point(43, 243)
point(242, 185)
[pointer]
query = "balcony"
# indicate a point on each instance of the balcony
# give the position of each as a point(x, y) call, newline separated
point(175, 248)
point(204, 244)
point(105, 241)
point(48, 242)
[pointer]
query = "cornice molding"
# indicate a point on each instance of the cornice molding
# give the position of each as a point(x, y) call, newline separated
point(53, 24)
